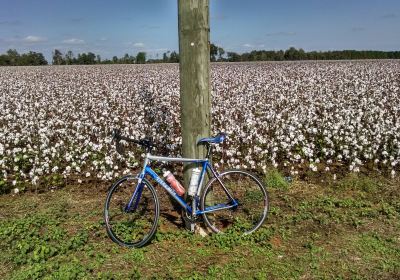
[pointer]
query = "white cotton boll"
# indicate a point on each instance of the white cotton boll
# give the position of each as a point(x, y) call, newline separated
point(87, 174)
point(313, 167)
point(285, 135)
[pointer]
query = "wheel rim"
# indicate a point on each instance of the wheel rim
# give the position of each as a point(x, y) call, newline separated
point(135, 226)
point(249, 194)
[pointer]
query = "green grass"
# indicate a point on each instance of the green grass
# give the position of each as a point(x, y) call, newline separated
point(347, 230)
point(275, 180)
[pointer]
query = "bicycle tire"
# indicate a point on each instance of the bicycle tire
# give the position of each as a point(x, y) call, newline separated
point(134, 227)
point(247, 190)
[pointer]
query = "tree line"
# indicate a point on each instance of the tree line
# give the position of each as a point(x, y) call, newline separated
point(13, 58)
point(90, 58)
point(300, 54)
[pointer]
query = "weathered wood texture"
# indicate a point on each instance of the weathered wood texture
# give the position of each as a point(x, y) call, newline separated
point(195, 97)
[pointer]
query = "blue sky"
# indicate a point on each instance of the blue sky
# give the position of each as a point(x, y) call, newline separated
point(117, 27)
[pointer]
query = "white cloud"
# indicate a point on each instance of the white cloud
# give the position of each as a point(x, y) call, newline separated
point(247, 45)
point(156, 50)
point(33, 39)
point(74, 41)
point(103, 39)
point(138, 45)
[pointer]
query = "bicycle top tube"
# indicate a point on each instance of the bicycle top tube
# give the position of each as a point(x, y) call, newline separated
point(175, 159)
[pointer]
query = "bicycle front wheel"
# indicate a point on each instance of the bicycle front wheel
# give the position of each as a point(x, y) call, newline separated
point(249, 194)
point(131, 212)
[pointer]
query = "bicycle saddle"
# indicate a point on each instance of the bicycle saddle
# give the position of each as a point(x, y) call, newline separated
point(219, 138)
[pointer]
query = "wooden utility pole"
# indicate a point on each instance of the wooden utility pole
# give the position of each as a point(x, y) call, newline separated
point(194, 64)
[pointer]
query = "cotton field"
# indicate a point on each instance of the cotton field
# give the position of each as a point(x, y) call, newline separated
point(296, 116)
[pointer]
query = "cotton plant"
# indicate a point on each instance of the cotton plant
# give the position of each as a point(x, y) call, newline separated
point(311, 116)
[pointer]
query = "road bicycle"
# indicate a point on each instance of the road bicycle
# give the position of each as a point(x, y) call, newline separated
point(231, 201)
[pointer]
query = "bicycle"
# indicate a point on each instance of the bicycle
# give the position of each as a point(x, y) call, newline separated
point(233, 200)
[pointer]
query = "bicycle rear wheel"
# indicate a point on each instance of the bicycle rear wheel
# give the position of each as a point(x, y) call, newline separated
point(250, 194)
point(131, 212)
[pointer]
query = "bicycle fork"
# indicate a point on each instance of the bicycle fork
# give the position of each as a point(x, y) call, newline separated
point(135, 198)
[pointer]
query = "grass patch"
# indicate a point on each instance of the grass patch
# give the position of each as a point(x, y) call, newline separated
point(347, 231)
point(274, 179)
point(360, 182)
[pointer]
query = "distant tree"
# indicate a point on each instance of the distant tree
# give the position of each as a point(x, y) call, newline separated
point(141, 58)
point(86, 58)
point(13, 57)
point(221, 52)
point(91, 58)
point(132, 59)
point(165, 57)
point(125, 59)
point(232, 56)
point(253, 56)
point(291, 54)
point(32, 58)
point(301, 54)
point(69, 58)
point(4, 60)
point(213, 52)
point(174, 57)
point(58, 58)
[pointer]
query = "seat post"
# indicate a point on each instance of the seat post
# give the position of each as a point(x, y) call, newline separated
point(209, 151)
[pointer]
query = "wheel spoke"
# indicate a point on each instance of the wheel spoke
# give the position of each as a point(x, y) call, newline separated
point(248, 192)
point(132, 228)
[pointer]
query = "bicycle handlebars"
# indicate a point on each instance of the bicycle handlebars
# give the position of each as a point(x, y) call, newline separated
point(146, 142)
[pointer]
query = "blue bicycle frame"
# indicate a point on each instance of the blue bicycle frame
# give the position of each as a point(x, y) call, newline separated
point(134, 201)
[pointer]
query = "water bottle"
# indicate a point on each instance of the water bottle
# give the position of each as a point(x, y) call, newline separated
point(194, 181)
point(170, 178)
